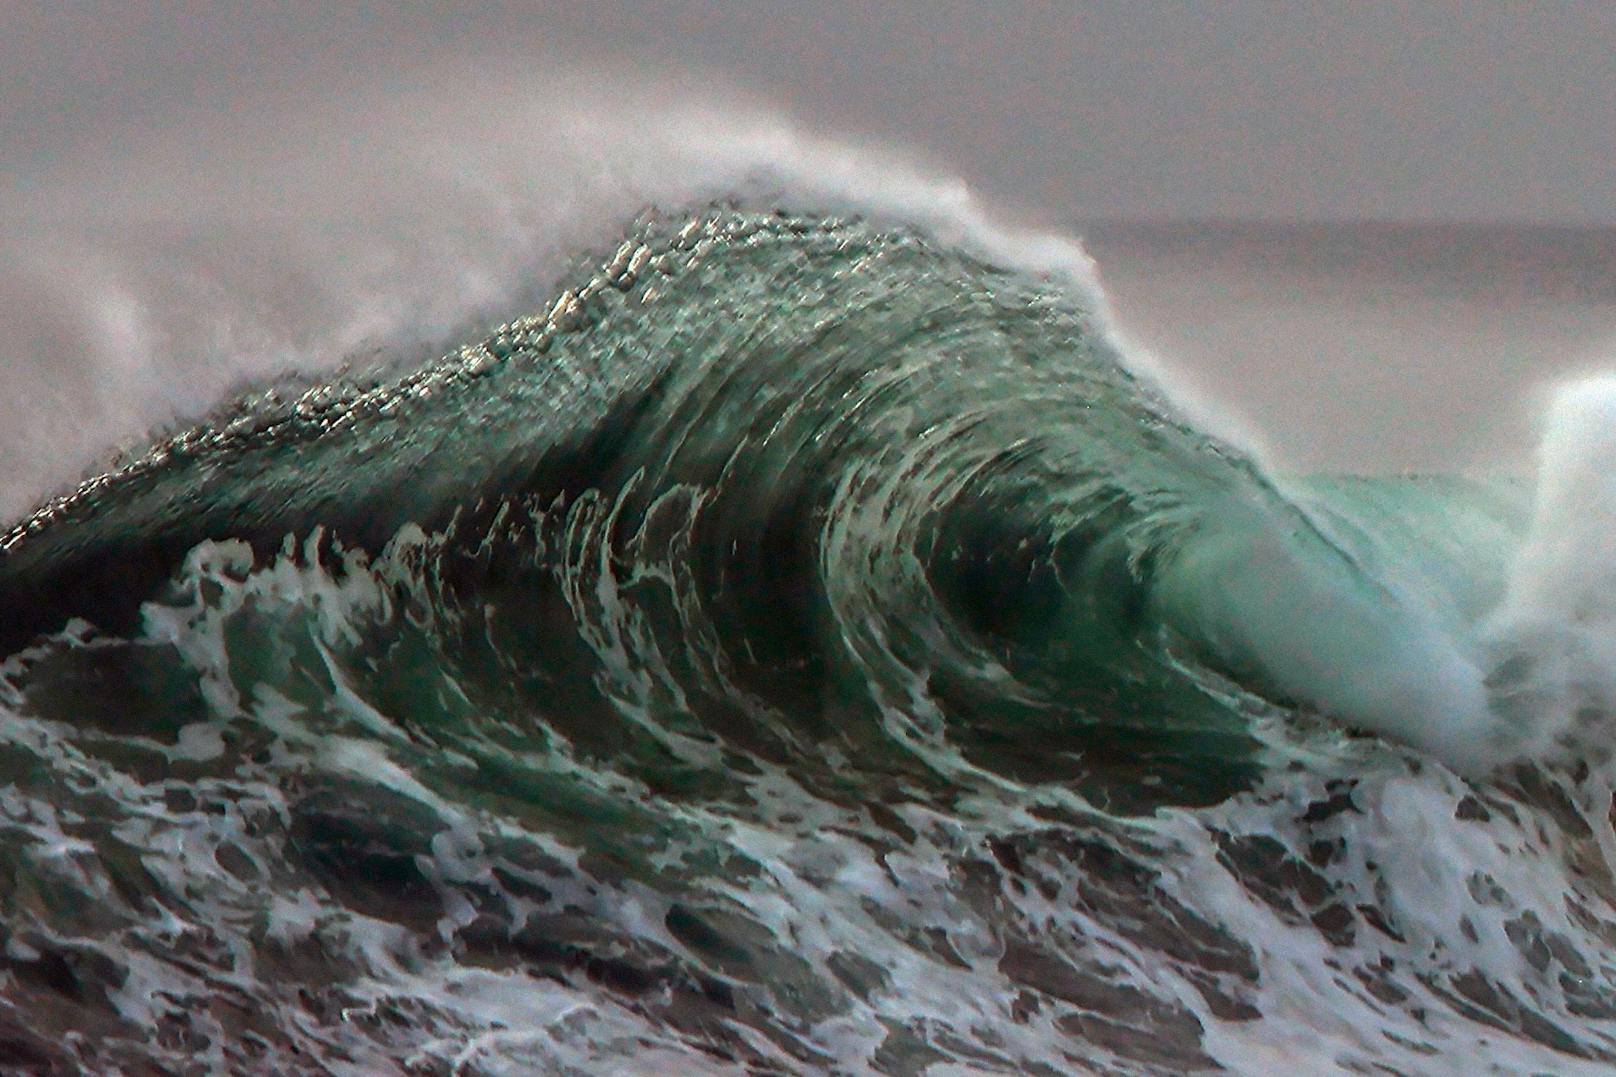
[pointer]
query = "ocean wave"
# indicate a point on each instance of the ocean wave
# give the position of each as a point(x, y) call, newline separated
point(802, 643)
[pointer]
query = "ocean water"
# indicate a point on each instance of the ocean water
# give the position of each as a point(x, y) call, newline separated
point(812, 643)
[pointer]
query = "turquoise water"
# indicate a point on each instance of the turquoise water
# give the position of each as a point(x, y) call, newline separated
point(803, 645)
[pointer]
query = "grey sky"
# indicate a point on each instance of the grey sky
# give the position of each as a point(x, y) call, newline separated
point(1467, 110)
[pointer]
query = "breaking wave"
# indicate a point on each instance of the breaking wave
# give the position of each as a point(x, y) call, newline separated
point(806, 642)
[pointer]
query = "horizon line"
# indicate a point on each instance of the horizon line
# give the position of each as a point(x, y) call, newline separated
point(1297, 223)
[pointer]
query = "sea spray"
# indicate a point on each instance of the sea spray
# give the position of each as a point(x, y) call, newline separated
point(392, 227)
point(1554, 635)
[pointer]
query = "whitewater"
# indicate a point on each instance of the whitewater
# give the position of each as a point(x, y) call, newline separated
point(655, 588)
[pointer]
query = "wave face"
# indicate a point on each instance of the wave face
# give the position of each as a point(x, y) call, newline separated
point(801, 646)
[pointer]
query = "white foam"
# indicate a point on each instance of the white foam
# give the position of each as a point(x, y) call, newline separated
point(1554, 636)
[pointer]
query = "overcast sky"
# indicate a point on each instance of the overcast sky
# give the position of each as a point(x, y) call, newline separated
point(1468, 110)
